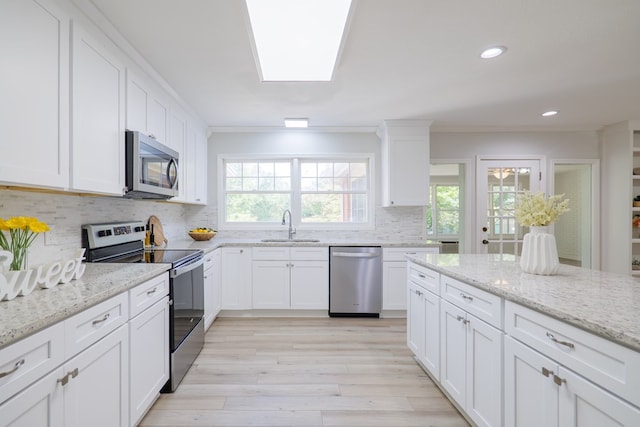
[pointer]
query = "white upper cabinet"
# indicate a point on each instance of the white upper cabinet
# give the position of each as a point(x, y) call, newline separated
point(97, 105)
point(34, 82)
point(195, 165)
point(176, 140)
point(147, 108)
point(405, 162)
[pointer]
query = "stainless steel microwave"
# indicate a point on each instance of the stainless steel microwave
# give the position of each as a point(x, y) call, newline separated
point(151, 168)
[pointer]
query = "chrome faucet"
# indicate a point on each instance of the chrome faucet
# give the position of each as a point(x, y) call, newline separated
point(284, 221)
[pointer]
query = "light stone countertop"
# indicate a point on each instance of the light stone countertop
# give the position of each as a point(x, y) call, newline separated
point(26, 315)
point(605, 304)
point(216, 242)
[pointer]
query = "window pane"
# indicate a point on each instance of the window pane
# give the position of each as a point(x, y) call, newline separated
point(309, 184)
point(448, 222)
point(282, 169)
point(308, 169)
point(325, 184)
point(256, 207)
point(338, 208)
point(325, 169)
point(283, 184)
point(250, 184)
point(341, 169)
point(234, 184)
point(447, 196)
point(358, 169)
point(266, 184)
point(234, 169)
point(250, 169)
point(359, 184)
point(266, 169)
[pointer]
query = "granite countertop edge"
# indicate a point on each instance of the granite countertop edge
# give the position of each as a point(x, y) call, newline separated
point(26, 315)
point(623, 331)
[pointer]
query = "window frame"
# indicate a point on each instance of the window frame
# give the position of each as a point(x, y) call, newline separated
point(296, 192)
point(435, 210)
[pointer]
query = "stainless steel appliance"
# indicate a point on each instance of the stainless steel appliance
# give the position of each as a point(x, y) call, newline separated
point(355, 281)
point(151, 168)
point(124, 242)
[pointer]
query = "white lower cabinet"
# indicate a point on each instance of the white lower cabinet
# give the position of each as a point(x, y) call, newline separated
point(290, 278)
point(236, 278)
point(394, 275)
point(212, 295)
point(149, 361)
point(423, 327)
point(539, 392)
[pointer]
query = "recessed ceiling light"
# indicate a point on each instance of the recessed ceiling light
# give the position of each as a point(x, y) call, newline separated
point(493, 52)
point(549, 113)
point(296, 123)
point(297, 40)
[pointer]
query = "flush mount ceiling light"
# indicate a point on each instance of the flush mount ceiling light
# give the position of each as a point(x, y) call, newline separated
point(549, 113)
point(493, 52)
point(297, 40)
point(296, 123)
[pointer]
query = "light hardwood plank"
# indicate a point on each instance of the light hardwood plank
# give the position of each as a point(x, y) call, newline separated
point(305, 372)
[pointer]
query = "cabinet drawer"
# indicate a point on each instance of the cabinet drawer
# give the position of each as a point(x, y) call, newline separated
point(310, 253)
point(145, 295)
point(269, 253)
point(87, 327)
point(612, 366)
point(484, 305)
point(428, 279)
point(29, 359)
point(398, 254)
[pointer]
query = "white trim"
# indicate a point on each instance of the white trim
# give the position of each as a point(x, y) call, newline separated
point(282, 129)
point(595, 201)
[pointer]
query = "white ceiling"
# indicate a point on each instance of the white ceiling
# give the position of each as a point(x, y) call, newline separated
point(407, 59)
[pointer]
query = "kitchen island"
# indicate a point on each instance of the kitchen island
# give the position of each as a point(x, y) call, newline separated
point(514, 349)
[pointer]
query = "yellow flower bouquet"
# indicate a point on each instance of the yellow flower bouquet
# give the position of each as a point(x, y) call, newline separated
point(22, 231)
point(537, 210)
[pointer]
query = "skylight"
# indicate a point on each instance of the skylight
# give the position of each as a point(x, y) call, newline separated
point(297, 40)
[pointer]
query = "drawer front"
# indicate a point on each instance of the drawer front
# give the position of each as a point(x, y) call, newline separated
point(483, 305)
point(273, 253)
point(612, 366)
point(87, 327)
point(424, 277)
point(398, 254)
point(145, 295)
point(29, 359)
point(310, 253)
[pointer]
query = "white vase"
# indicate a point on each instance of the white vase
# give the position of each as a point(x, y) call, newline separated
point(539, 252)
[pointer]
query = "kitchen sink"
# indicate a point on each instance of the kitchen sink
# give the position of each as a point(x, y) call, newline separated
point(290, 241)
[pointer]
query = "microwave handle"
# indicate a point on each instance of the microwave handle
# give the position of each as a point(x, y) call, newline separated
point(172, 180)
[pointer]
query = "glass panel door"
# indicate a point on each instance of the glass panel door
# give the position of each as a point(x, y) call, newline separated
point(499, 182)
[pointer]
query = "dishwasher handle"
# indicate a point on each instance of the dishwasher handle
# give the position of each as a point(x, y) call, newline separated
point(355, 255)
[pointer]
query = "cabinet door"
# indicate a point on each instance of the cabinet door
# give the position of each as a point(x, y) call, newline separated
point(415, 319)
point(584, 404)
point(270, 284)
point(394, 285)
point(453, 338)
point(34, 82)
point(217, 281)
point(149, 357)
point(310, 285)
point(201, 166)
point(98, 392)
point(484, 373)
point(431, 356)
point(40, 404)
point(530, 395)
point(137, 100)
point(177, 140)
point(236, 278)
point(209, 298)
point(97, 140)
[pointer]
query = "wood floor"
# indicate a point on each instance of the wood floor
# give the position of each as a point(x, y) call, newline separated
point(305, 372)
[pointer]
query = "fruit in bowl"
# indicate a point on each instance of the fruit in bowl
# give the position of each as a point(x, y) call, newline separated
point(202, 233)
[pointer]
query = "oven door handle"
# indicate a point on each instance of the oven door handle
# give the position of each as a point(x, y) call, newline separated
point(186, 268)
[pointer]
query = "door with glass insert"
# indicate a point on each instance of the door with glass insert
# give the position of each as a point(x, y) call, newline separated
point(499, 182)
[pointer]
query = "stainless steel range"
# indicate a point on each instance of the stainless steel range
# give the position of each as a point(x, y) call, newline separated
point(124, 242)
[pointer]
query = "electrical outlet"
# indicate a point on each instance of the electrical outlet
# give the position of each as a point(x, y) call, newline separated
point(51, 236)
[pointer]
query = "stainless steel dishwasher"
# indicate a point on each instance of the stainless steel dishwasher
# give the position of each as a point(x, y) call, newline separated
point(355, 281)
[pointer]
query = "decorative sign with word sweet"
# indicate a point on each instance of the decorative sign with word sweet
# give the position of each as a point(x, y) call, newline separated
point(23, 282)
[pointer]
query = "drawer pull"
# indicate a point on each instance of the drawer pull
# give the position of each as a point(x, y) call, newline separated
point(74, 373)
point(557, 341)
point(546, 372)
point(466, 297)
point(152, 291)
point(104, 319)
point(17, 366)
point(558, 380)
point(422, 276)
point(463, 320)
point(64, 380)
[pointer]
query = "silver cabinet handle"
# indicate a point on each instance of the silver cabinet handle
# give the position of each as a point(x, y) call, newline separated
point(546, 372)
point(466, 297)
point(557, 341)
point(17, 366)
point(422, 276)
point(104, 319)
point(559, 381)
point(64, 380)
point(152, 291)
